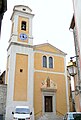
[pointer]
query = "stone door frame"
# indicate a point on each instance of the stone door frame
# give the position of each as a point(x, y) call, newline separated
point(49, 93)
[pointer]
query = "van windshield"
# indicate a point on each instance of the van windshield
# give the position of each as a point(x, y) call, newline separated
point(74, 116)
point(77, 116)
point(22, 111)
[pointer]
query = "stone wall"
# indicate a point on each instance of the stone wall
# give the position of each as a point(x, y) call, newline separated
point(3, 93)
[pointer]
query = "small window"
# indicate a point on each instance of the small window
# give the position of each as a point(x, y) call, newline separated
point(21, 70)
point(24, 9)
point(50, 62)
point(23, 25)
point(45, 61)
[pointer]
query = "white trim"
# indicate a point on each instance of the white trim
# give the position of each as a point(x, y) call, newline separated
point(49, 72)
point(67, 95)
point(49, 53)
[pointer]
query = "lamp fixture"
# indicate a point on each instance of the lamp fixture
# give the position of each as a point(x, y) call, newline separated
point(72, 68)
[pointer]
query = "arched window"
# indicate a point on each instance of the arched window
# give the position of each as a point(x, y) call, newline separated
point(50, 62)
point(45, 61)
point(23, 25)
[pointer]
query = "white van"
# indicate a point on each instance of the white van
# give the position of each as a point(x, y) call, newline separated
point(22, 113)
point(72, 116)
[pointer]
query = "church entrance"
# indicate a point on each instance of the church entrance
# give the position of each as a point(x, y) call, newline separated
point(48, 103)
point(48, 89)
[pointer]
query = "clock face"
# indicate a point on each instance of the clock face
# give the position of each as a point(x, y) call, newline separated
point(23, 36)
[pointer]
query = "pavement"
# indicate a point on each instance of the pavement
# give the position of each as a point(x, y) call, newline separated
point(50, 116)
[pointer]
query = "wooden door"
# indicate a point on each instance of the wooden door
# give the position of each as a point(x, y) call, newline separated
point(48, 104)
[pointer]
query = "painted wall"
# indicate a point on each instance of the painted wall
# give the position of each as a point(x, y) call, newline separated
point(60, 94)
point(56, 59)
point(77, 13)
point(21, 78)
point(56, 74)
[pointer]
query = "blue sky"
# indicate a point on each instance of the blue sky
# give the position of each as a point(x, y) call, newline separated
point(51, 23)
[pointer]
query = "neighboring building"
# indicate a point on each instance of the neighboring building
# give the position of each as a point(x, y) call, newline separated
point(3, 8)
point(3, 93)
point(36, 74)
point(3, 86)
point(76, 27)
point(2, 78)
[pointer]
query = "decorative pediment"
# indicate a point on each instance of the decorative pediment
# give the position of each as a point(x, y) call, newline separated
point(46, 47)
point(48, 85)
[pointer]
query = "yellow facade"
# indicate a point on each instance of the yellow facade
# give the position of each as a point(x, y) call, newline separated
point(56, 59)
point(61, 107)
point(21, 78)
point(56, 74)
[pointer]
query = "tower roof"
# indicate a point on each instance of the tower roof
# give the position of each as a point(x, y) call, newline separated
point(22, 9)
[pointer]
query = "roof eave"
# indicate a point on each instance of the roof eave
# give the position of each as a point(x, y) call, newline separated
point(72, 25)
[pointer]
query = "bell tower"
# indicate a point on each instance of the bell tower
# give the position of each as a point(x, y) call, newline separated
point(20, 61)
point(22, 25)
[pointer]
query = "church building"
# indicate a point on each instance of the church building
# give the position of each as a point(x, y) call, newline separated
point(36, 75)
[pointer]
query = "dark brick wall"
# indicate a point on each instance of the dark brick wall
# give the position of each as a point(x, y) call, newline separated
point(3, 93)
